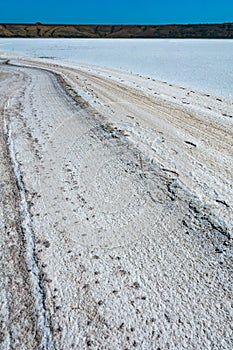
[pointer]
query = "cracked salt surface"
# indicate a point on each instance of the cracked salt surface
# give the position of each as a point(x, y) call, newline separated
point(164, 280)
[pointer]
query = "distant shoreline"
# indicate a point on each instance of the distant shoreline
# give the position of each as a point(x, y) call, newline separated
point(39, 30)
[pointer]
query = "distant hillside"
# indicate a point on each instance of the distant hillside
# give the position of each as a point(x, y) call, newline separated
point(39, 30)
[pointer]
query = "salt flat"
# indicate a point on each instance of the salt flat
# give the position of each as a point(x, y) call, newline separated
point(202, 64)
point(116, 210)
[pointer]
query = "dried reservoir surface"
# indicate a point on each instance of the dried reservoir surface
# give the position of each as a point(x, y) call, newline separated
point(116, 205)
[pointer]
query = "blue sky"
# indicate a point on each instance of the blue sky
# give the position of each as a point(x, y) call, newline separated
point(116, 12)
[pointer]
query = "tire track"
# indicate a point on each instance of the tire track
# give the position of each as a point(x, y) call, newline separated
point(28, 238)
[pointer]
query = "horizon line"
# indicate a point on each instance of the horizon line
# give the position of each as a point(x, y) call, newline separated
point(113, 24)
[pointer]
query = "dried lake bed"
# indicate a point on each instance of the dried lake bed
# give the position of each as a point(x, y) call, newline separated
point(116, 210)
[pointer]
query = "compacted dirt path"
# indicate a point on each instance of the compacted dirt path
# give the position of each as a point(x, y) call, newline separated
point(110, 239)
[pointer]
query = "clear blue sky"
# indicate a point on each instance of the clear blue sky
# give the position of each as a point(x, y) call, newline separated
point(116, 12)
